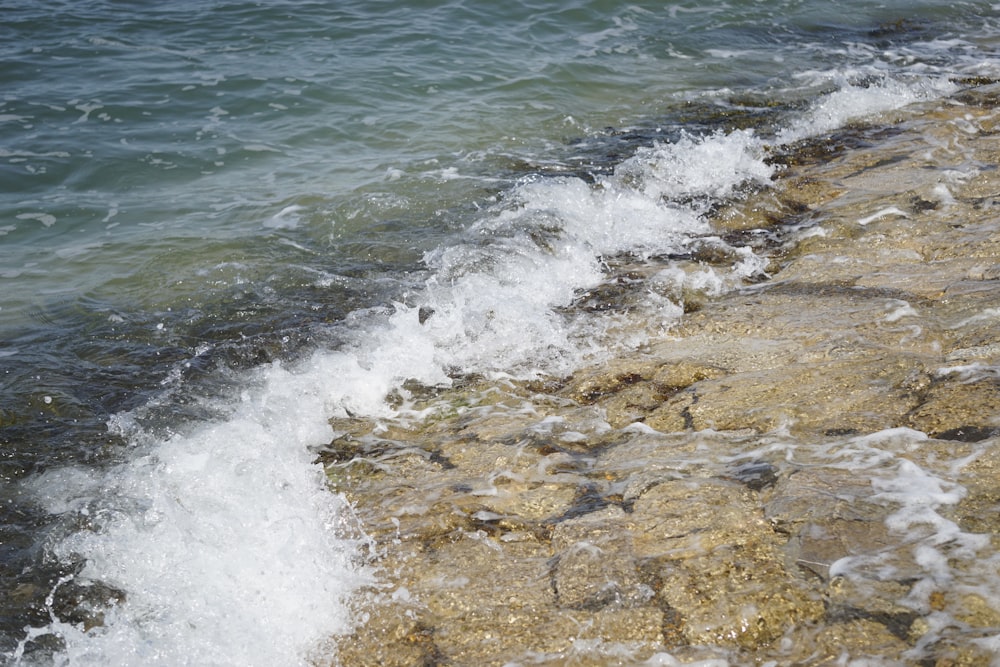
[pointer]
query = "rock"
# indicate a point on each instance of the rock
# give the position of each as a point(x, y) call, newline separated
point(832, 396)
point(857, 641)
point(976, 513)
point(984, 272)
point(802, 471)
point(719, 568)
point(956, 410)
point(595, 565)
point(644, 393)
point(975, 611)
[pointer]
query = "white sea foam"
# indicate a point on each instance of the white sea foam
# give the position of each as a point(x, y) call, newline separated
point(884, 213)
point(78, 251)
point(45, 218)
point(286, 218)
point(852, 102)
point(225, 541)
point(496, 297)
point(710, 166)
point(930, 549)
point(985, 315)
point(900, 309)
point(970, 372)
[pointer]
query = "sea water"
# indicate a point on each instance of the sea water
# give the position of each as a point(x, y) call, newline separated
point(223, 223)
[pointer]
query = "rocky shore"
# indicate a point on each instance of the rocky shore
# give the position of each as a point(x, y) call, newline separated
point(804, 471)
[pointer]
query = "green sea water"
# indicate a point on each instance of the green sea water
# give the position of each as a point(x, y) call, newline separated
point(191, 191)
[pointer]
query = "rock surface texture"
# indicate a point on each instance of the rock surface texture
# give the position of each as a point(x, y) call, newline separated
point(804, 471)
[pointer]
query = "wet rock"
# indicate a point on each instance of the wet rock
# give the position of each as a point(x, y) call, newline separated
point(984, 92)
point(389, 635)
point(977, 512)
point(594, 384)
point(974, 610)
point(858, 640)
point(874, 600)
point(630, 393)
point(595, 564)
point(831, 396)
point(634, 403)
point(719, 568)
point(808, 495)
point(802, 471)
point(445, 589)
point(819, 546)
point(756, 475)
point(984, 272)
point(955, 410)
point(682, 374)
point(950, 654)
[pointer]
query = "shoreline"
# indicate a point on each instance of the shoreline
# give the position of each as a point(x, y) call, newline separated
point(802, 470)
